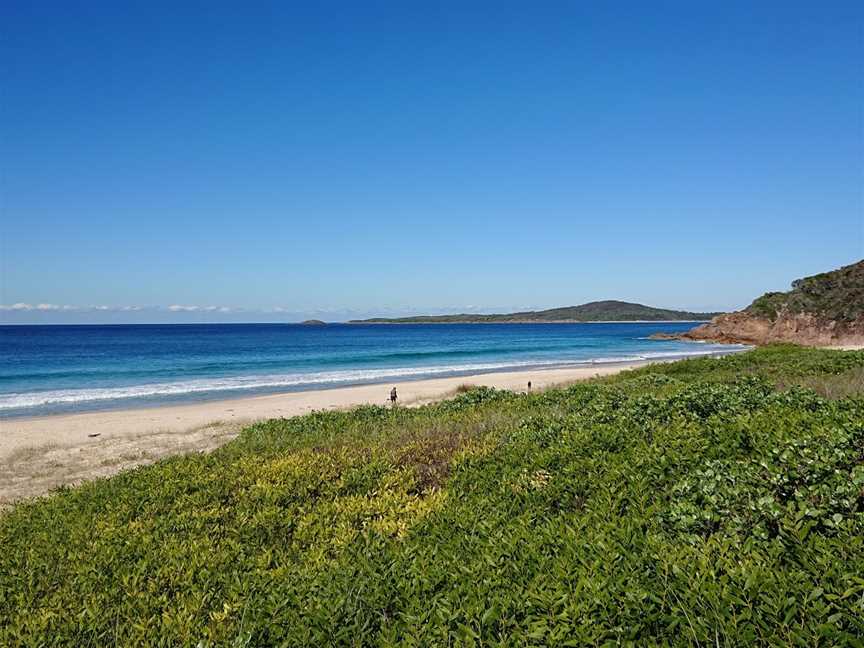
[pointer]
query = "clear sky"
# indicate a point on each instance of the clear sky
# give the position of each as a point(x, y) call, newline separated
point(266, 161)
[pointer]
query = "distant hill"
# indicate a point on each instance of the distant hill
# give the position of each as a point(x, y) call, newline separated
point(598, 311)
point(823, 310)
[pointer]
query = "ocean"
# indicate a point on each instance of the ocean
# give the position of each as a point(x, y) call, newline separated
point(60, 369)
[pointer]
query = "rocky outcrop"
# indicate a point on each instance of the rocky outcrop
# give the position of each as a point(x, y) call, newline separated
point(798, 328)
point(826, 309)
point(665, 336)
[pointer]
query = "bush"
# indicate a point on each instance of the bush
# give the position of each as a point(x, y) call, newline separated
point(677, 504)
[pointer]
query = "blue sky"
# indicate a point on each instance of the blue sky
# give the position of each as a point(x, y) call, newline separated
point(258, 161)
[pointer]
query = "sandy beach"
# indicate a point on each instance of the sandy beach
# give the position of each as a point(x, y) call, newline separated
point(41, 453)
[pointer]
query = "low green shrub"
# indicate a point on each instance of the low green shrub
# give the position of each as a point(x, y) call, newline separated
point(689, 503)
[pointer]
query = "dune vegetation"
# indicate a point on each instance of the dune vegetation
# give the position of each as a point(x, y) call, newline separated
point(708, 501)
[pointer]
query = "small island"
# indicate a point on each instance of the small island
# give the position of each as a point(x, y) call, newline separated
point(313, 322)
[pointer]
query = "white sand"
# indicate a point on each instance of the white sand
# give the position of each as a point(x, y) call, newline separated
point(37, 454)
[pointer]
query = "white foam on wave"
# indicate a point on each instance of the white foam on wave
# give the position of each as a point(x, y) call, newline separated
point(312, 379)
point(35, 399)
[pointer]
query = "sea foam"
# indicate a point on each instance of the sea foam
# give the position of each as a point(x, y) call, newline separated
point(311, 380)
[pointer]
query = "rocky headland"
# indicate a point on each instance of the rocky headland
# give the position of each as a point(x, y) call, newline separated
point(823, 310)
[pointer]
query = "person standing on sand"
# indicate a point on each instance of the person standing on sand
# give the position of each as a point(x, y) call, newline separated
point(393, 396)
point(529, 385)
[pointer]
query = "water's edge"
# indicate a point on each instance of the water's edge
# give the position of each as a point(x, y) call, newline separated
point(57, 402)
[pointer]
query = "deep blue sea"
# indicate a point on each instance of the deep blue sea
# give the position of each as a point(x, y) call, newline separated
point(53, 369)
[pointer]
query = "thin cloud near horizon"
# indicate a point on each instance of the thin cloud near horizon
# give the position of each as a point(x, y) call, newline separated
point(23, 307)
point(173, 308)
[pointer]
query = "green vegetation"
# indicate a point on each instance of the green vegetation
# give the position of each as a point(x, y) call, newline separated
point(600, 311)
point(837, 295)
point(710, 501)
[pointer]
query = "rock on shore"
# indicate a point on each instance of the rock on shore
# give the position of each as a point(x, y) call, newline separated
point(798, 328)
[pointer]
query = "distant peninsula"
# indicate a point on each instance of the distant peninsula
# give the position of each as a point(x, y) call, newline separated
point(597, 311)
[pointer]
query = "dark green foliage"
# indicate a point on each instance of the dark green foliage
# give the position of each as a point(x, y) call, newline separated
point(768, 306)
point(679, 504)
point(836, 295)
point(598, 311)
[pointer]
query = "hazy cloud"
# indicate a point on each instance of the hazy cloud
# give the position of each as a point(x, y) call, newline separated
point(329, 313)
point(20, 306)
point(102, 308)
point(180, 308)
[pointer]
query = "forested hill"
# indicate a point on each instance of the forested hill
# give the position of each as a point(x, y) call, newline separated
point(597, 311)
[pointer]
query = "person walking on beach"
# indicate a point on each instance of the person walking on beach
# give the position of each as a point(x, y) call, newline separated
point(529, 385)
point(393, 396)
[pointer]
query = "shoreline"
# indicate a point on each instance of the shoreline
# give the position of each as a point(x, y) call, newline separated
point(149, 401)
point(40, 453)
point(43, 428)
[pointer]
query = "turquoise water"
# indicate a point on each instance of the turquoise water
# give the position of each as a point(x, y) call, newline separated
point(52, 369)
